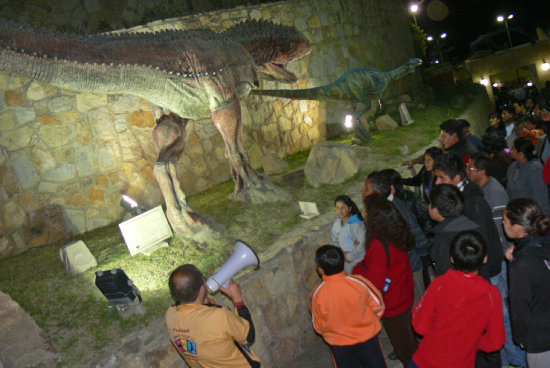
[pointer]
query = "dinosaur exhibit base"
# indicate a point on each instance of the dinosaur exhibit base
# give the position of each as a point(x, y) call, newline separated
point(263, 192)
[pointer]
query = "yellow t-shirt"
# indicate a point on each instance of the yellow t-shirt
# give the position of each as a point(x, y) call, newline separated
point(205, 336)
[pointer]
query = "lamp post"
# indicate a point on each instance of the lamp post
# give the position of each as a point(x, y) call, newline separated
point(502, 18)
point(414, 9)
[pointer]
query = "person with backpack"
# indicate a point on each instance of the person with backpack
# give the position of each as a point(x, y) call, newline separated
point(529, 277)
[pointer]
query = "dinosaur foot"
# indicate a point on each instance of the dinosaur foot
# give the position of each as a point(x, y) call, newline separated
point(263, 191)
point(198, 227)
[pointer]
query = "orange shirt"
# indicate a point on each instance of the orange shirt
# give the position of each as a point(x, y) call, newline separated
point(205, 336)
point(346, 310)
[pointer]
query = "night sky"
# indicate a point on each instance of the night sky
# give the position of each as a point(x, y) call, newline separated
point(468, 19)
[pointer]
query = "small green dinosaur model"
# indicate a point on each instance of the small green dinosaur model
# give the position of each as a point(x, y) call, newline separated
point(359, 85)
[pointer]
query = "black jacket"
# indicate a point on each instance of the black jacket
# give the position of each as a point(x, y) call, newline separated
point(529, 294)
point(418, 207)
point(477, 209)
point(444, 232)
point(423, 179)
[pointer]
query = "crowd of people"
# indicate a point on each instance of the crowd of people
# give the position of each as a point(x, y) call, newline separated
point(458, 275)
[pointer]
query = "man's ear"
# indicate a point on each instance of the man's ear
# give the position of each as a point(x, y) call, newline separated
point(485, 259)
point(452, 260)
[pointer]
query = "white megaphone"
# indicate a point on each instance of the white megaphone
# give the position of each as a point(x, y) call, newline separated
point(242, 257)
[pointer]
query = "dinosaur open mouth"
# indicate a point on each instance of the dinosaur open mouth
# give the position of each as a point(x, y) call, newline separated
point(276, 72)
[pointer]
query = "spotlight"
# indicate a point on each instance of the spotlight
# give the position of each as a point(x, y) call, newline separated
point(484, 81)
point(545, 65)
point(119, 290)
point(130, 205)
point(529, 84)
point(348, 121)
point(495, 84)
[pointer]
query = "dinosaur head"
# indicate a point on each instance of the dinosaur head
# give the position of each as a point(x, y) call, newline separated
point(413, 63)
point(272, 46)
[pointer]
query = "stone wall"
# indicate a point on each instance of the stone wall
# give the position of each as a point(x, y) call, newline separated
point(80, 151)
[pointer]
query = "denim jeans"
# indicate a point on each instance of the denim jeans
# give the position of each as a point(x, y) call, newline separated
point(511, 354)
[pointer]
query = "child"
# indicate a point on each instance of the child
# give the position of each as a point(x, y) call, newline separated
point(461, 312)
point(348, 231)
point(446, 208)
point(346, 311)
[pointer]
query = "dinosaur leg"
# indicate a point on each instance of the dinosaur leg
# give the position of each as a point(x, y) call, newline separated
point(169, 137)
point(361, 132)
point(249, 185)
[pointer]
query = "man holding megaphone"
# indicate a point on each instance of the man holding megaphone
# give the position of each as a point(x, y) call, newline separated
point(205, 334)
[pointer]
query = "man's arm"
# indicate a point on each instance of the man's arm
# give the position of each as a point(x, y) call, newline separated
point(233, 291)
point(422, 314)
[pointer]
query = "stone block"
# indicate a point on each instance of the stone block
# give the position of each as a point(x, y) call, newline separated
point(330, 163)
point(385, 122)
point(272, 163)
point(77, 258)
point(14, 98)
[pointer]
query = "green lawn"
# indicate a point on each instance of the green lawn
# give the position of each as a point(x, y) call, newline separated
point(74, 313)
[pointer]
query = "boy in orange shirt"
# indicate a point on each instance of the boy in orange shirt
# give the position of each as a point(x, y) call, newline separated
point(346, 311)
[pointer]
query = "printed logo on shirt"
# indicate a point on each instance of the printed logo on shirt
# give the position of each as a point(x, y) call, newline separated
point(188, 348)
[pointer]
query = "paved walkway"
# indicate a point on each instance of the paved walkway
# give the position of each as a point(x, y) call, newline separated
point(318, 356)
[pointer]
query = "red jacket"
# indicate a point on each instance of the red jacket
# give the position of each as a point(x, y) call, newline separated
point(400, 294)
point(459, 314)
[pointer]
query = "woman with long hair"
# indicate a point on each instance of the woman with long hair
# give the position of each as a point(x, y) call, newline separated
point(348, 231)
point(525, 174)
point(387, 266)
point(529, 279)
point(425, 179)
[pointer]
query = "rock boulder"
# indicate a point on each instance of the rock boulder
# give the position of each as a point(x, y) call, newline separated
point(331, 163)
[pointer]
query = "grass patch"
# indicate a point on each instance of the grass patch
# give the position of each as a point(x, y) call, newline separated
point(74, 313)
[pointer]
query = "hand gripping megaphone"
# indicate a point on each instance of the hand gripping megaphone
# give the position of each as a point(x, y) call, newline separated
point(242, 257)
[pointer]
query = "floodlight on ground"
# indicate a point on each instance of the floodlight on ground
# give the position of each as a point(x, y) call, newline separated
point(484, 81)
point(348, 121)
point(119, 290)
point(545, 66)
point(130, 205)
point(429, 38)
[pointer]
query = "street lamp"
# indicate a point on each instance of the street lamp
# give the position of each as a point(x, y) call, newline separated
point(414, 9)
point(501, 19)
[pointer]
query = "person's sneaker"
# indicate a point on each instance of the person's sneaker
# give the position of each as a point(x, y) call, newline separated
point(392, 356)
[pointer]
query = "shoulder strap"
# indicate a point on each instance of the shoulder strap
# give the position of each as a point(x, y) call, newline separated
point(387, 249)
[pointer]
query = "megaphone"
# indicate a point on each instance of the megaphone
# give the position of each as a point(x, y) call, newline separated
point(242, 257)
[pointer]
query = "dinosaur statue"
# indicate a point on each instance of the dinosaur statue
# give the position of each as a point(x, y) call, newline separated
point(358, 85)
point(185, 75)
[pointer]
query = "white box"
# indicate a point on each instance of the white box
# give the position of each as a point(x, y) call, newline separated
point(146, 232)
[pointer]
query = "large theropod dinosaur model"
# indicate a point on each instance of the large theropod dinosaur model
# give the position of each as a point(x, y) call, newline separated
point(192, 74)
point(358, 85)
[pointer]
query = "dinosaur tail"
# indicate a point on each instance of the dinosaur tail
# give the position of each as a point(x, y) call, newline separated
point(318, 93)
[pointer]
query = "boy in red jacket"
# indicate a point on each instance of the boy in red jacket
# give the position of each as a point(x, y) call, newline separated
point(461, 312)
point(346, 311)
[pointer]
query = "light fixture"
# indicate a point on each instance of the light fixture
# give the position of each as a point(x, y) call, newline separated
point(443, 35)
point(510, 16)
point(119, 290)
point(484, 81)
point(495, 84)
point(545, 65)
point(436, 61)
point(429, 38)
point(500, 18)
point(130, 205)
point(348, 121)
point(413, 8)
point(529, 84)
